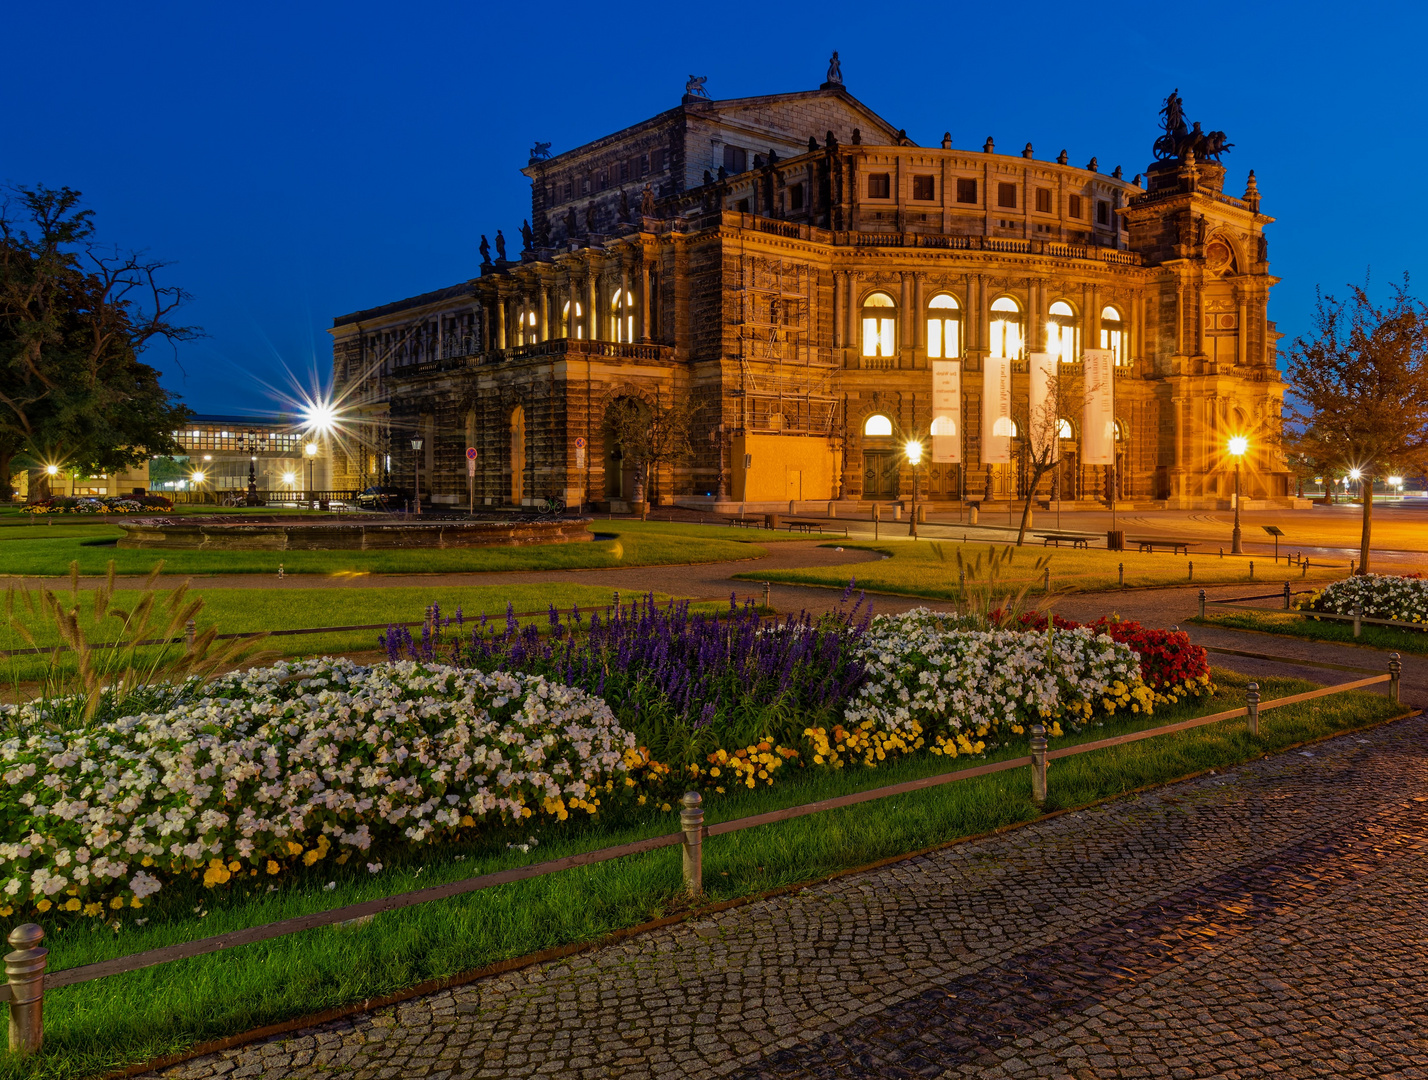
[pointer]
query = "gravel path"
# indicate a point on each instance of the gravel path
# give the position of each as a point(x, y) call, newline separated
point(1266, 921)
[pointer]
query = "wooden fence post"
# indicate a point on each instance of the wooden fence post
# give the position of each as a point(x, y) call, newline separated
point(1038, 764)
point(1395, 673)
point(25, 988)
point(1286, 596)
point(1202, 603)
point(691, 820)
point(1252, 704)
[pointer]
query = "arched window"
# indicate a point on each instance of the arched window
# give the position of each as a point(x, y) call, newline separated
point(1122, 430)
point(944, 328)
point(879, 325)
point(1064, 430)
point(622, 316)
point(526, 327)
point(1006, 426)
point(576, 324)
point(1006, 328)
point(944, 425)
point(1113, 334)
point(1063, 332)
point(876, 425)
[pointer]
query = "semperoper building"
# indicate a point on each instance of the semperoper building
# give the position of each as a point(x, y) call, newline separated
point(792, 264)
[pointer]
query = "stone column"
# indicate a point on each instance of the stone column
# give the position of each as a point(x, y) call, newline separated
point(904, 301)
point(592, 318)
point(644, 300)
point(500, 322)
point(838, 305)
point(853, 310)
point(1241, 332)
point(544, 313)
point(625, 298)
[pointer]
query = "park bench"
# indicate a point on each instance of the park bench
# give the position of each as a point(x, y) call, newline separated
point(1150, 544)
point(810, 524)
point(1076, 540)
point(743, 522)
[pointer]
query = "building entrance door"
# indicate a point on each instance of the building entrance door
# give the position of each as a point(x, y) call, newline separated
point(880, 474)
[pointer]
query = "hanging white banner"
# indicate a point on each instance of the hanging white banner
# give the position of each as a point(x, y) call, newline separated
point(1098, 421)
point(1042, 416)
point(946, 411)
point(996, 410)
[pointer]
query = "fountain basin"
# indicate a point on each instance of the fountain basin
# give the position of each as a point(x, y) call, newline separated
point(347, 535)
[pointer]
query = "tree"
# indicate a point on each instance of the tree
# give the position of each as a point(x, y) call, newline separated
point(74, 318)
point(1360, 389)
point(1042, 440)
point(651, 435)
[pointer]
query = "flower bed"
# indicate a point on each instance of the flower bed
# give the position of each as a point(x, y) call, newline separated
point(1380, 596)
point(1170, 664)
point(932, 681)
point(124, 504)
point(288, 765)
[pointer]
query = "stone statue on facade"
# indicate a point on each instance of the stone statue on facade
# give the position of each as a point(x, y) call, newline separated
point(835, 70)
point(590, 216)
point(500, 245)
point(539, 152)
point(647, 202)
point(624, 205)
point(572, 225)
point(708, 177)
point(527, 236)
point(485, 251)
point(1179, 142)
point(695, 86)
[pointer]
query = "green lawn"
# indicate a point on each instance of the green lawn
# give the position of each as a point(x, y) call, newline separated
point(112, 1022)
point(929, 569)
point(1291, 624)
point(631, 543)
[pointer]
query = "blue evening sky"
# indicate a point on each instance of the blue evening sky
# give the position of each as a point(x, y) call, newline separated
point(297, 161)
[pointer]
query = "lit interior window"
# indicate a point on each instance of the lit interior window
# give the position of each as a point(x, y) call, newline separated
point(565, 318)
point(622, 319)
point(1064, 429)
point(1113, 334)
point(879, 325)
point(1006, 329)
point(944, 325)
point(1063, 335)
point(877, 425)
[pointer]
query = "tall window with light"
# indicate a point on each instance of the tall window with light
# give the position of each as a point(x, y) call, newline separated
point(1006, 328)
point(1113, 334)
point(573, 323)
point(526, 327)
point(1063, 332)
point(944, 328)
point(879, 325)
point(622, 316)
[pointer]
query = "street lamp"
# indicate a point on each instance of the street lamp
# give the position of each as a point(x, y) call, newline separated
point(311, 451)
point(416, 474)
point(1396, 482)
point(1355, 475)
point(913, 452)
point(1238, 445)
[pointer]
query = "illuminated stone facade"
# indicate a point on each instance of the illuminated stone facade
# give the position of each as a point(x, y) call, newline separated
point(791, 263)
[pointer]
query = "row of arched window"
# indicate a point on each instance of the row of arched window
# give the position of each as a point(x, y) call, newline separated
point(621, 316)
point(1008, 334)
point(880, 426)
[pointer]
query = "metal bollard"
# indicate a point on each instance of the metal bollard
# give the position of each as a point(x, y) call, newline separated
point(767, 605)
point(1038, 764)
point(1251, 569)
point(615, 601)
point(1192, 573)
point(1202, 603)
point(1395, 672)
point(691, 820)
point(1123, 574)
point(280, 571)
point(1286, 596)
point(190, 632)
point(1358, 618)
point(25, 988)
point(1351, 567)
point(1252, 704)
point(1304, 568)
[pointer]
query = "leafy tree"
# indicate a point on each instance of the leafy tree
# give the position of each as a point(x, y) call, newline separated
point(651, 435)
point(74, 318)
point(1360, 390)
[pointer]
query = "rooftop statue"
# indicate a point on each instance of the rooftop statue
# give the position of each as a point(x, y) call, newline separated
point(485, 251)
point(695, 86)
point(1177, 141)
point(540, 152)
point(500, 245)
point(527, 236)
point(835, 70)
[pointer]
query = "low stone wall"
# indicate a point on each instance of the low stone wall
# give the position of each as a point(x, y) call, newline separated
point(186, 534)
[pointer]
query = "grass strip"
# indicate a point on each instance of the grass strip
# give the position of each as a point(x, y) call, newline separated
point(1292, 624)
point(617, 543)
point(929, 569)
point(147, 1014)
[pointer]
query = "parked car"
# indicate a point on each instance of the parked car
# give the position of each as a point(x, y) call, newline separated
point(383, 498)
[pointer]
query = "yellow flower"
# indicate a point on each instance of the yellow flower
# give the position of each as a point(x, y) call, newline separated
point(272, 867)
point(93, 909)
point(136, 902)
point(146, 861)
point(665, 808)
point(43, 905)
point(235, 866)
point(72, 904)
point(117, 903)
point(294, 849)
point(6, 911)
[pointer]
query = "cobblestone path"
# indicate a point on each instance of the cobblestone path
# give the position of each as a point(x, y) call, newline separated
point(1267, 921)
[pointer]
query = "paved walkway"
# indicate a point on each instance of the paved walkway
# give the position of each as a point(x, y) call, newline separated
point(1267, 921)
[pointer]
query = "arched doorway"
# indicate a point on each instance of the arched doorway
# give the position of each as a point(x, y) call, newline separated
point(518, 455)
point(880, 459)
point(625, 420)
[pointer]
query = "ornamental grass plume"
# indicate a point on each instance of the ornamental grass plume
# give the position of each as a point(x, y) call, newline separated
point(985, 600)
point(101, 655)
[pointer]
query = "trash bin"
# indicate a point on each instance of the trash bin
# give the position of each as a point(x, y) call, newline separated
point(1115, 539)
point(770, 521)
point(972, 513)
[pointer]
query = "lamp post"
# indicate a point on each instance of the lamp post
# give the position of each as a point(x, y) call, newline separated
point(1356, 475)
point(1238, 445)
point(913, 451)
point(416, 474)
point(311, 450)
